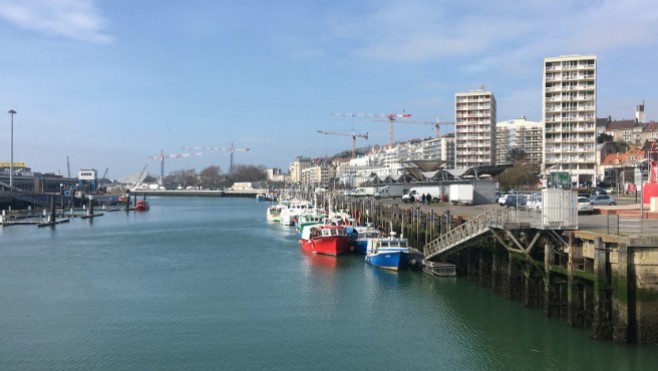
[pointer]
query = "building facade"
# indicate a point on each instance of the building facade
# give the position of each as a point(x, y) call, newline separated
point(519, 137)
point(569, 116)
point(296, 167)
point(318, 175)
point(475, 120)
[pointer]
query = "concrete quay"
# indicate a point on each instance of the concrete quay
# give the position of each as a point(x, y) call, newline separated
point(596, 276)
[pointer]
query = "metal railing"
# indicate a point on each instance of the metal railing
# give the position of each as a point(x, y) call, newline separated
point(502, 218)
point(464, 232)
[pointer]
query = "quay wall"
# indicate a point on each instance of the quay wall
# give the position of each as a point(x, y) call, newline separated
point(608, 284)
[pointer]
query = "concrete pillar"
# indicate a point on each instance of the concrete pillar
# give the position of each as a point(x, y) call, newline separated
point(512, 285)
point(549, 288)
point(483, 268)
point(495, 271)
point(601, 326)
point(623, 329)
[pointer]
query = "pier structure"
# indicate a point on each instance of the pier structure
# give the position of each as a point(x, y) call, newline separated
point(591, 279)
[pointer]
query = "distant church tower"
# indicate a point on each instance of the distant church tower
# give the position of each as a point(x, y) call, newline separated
point(639, 113)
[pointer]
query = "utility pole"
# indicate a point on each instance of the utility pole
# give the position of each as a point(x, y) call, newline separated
point(11, 159)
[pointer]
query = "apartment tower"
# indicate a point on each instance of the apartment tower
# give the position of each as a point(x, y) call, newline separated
point(519, 139)
point(475, 125)
point(569, 116)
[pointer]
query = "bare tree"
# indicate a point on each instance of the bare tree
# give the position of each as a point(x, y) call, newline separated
point(248, 173)
point(210, 177)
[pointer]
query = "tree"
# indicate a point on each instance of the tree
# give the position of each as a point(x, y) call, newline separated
point(184, 178)
point(248, 173)
point(524, 174)
point(603, 137)
point(210, 177)
point(516, 154)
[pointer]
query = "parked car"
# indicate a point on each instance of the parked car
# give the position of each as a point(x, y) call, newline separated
point(534, 202)
point(502, 198)
point(584, 206)
point(602, 200)
point(516, 201)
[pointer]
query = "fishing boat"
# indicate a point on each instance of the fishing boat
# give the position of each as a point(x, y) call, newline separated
point(266, 197)
point(142, 205)
point(296, 208)
point(311, 218)
point(388, 253)
point(325, 239)
point(361, 235)
point(274, 213)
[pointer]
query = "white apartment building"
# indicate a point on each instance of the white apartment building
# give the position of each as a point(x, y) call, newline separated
point(387, 161)
point(569, 116)
point(475, 120)
point(319, 174)
point(520, 135)
point(296, 167)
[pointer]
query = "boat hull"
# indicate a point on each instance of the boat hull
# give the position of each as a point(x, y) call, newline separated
point(393, 260)
point(334, 246)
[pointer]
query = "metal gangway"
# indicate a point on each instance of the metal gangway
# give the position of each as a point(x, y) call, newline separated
point(549, 218)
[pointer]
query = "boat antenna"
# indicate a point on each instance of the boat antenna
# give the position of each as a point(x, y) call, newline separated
point(402, 227)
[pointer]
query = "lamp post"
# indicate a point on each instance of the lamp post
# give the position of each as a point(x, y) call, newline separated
point(11, 159)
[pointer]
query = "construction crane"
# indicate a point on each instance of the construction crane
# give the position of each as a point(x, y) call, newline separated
point(436, 124)
point(139, 178)
point(105, 173)
point(390, 117)
point(162, 157)
point(353, 135)
point(230, 149)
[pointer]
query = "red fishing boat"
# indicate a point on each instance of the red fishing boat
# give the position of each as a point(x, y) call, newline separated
point(142, 205)
point(325, 239)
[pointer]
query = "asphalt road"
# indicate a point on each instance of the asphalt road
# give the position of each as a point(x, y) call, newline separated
point(594, 222)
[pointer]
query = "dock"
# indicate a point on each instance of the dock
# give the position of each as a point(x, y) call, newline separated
point(598, 273)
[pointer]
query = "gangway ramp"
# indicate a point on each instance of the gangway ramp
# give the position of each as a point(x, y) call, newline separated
point(501, 219)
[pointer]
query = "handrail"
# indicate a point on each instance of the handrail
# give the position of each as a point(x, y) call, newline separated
point(473, 227)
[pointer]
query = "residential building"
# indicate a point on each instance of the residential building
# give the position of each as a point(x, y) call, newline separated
point(519, 137)
point(296, 167)
point(318, 174)
point(569, 116)
point(475, 121)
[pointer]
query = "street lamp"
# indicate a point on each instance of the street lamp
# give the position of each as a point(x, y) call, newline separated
point(11, 160)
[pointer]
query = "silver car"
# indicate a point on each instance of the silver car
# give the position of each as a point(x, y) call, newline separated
point(602, 200)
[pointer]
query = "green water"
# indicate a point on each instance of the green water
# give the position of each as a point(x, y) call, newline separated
point(208, 284)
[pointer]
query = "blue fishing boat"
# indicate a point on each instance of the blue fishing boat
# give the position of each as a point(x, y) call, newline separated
point(388, 253)
point(361, 234)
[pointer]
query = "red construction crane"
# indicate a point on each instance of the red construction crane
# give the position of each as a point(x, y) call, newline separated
point(162, 157)
point(436, 124)
point(390, 117)
point(230, 149)
point(353, 134)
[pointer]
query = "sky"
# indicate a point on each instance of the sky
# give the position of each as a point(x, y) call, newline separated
point(108, 83)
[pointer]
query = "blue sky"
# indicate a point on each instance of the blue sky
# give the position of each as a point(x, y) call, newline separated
point(109, 83)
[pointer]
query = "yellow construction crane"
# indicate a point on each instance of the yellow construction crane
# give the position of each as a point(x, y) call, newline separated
point(389, 117)
point(353, 134)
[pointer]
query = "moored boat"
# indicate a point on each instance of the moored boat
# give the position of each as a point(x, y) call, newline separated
point(274, 213)
point(325, 239)
point(293, 210)
point(307, 219)
point(362, 234)
point(142, 205)
point(388, 253)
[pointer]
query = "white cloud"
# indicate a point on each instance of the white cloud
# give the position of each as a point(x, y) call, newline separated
point(416, 31)
point(75, 19)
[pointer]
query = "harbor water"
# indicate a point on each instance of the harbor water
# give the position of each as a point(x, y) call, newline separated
point(207, 283)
